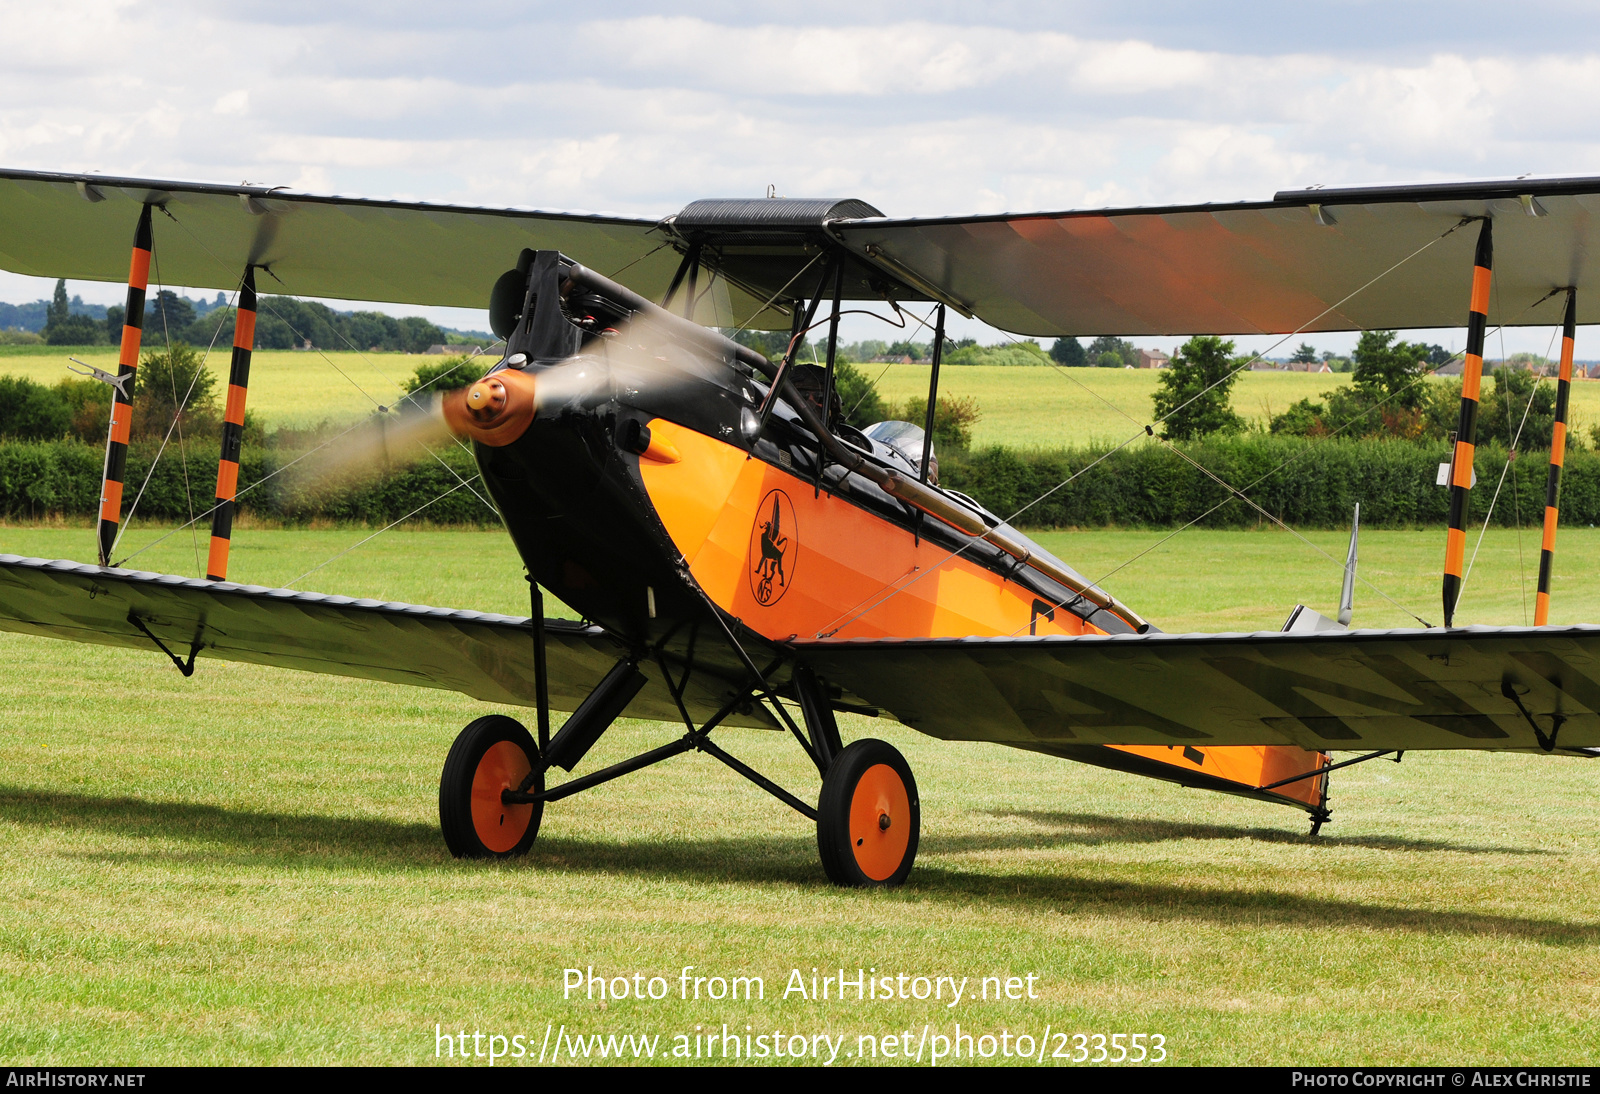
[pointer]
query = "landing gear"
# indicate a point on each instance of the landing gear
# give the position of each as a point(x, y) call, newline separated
point(868, 817)
point(492, 755)
point(492, 791)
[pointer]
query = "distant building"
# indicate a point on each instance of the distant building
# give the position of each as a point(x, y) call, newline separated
point(456, 348)
point(1152, 358)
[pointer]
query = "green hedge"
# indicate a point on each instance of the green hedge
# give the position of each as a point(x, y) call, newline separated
point(63, 478)
point(1305, 483)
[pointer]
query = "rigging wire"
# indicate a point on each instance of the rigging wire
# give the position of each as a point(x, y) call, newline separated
point(177, 414)
point(1286, 463)
point(753, 315)
point(150, 471)
point(836, 625)
point(265, 302)
point(1503, 471)
point(378, 533)
point(262, 481)
point(641, 258)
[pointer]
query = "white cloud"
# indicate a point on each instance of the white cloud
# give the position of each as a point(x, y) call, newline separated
point(939, 112)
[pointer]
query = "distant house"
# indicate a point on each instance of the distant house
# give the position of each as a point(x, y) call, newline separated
point(1152, 358)
point(456, 348)
point(903, 359)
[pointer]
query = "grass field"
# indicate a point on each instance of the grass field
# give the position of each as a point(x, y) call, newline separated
point(1040, 407)
point(245, 866)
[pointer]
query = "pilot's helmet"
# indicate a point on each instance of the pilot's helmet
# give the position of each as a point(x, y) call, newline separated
point(810, 381)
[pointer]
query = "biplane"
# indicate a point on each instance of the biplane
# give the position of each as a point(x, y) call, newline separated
point(741, 557)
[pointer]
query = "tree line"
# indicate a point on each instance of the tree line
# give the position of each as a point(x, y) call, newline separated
point(1389, 397)
point(282, 322)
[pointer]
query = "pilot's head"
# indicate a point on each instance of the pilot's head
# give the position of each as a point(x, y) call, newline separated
point(809, 381)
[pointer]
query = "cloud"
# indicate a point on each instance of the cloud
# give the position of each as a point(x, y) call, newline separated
point(935, 110)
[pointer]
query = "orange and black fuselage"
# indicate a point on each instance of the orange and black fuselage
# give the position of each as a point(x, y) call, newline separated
point(648, 515)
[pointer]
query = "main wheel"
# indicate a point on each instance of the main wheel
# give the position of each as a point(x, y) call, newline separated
point(492, 754)
point(868, 817)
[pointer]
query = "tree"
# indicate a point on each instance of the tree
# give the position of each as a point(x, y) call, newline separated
point(62, 328)
point(1505, 408)
point(445, 374)
point(168, 318)
point(76, 330)
point(1304, 354)
point(1390, 369)
point(59, 307)
point(1193, 399)
point(953, 419)
point(1123, 353)
point(1069, 352)
point(859, 401)
point(30, 411)
point(416, 335)
point(917, 351)
point(167, 380)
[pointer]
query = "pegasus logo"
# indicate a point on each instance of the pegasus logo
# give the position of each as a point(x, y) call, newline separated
point(772, 550)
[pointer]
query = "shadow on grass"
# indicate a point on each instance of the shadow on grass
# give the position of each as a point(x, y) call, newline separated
point(256, 839)
point(1090, 829)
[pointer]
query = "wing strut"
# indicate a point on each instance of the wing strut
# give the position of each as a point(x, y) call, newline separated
point(121, 401)
point(933, 396)
point(244, 339)
point(1467, 425)
point(1558, 453)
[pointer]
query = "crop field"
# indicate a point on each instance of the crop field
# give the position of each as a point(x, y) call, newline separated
point(1021, 406)
point(287, 387)
point(245, 866)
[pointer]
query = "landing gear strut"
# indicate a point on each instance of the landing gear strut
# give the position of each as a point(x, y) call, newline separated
point(492, 790)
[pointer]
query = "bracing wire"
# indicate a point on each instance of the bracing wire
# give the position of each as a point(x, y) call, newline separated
point(839, 623)
point(460, 481)
point(150, 471)
point(376, 534)
point(1510, 459)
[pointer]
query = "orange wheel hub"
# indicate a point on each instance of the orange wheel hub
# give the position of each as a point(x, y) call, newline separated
point(499, 826)
point(880, 822)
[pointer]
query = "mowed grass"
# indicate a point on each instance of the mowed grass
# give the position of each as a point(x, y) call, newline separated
point(244, 867)
point(1021, 406)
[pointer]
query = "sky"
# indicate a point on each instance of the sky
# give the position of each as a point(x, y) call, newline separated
point(921, 109)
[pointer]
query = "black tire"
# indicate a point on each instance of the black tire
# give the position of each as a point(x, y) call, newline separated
point(874, 854)
point(494, 751)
